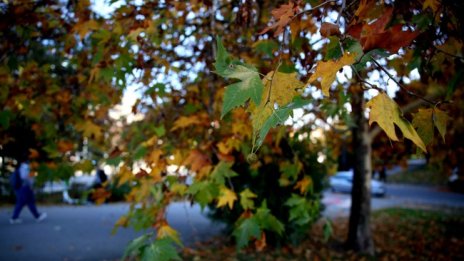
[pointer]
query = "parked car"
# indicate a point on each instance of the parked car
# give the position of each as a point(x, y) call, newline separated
point(343, 182)
point(456, 181)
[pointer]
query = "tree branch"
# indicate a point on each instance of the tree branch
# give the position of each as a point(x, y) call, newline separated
point(401, 85)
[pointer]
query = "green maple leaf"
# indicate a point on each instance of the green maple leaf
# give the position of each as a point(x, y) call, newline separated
point(247, 229)
point(268, 221)
point(249, 86)
point(160, 250)
point(221, 171)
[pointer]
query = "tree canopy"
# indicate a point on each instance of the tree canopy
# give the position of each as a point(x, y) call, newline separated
point(64, 68)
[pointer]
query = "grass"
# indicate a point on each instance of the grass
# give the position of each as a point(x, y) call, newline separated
point(398, 234)
point(423, 175)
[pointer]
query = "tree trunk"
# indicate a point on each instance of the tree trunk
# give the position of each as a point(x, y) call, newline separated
point(359, 234)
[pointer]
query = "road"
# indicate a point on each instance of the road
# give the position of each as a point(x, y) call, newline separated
point(84, 232)
point(338, 204)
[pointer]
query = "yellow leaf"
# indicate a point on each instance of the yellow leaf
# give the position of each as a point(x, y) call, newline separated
point(440, 119)
point(167, 231)
point(422, 121)
point(179, 188)
point(176, 159)
point(246, 199)
point(433, 4)
point(387, 114)
point(304, 184)
point(280, 88)
point(327, 71)
point(184, 121)
point(226, 197)
point(154, 156)
point(124, 175)
point(83, 28)
point(155, 173)
point(90, 129)
point(226, 147)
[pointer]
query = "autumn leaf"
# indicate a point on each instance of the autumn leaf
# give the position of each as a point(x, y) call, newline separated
point(90, 129)
point(304, 184)
point(440, 120)
point(65, 146)
point(387, 114)
point(280, 88)
point(184, 122)
point(422, 121)
point(433, 4)
point(249, 86)
point(100, 195)
point(179, 189)
point(165, 231)
point(246, 199)
point(197, 160)
point(226, 197)
point(260, 244)
point(378, 35)
point(329, 29)
point(276, 117)
point(282, 16)
point(327, 71)
point(33, 154)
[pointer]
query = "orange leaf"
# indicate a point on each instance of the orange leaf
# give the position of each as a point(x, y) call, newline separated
point(197, 160)
point(282, 15)
point(304, 184)
point(65, 146)
point(33, 154)
point(260, 244)
point(100, 195)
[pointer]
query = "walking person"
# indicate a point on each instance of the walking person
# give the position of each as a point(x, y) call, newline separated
point(25, 194)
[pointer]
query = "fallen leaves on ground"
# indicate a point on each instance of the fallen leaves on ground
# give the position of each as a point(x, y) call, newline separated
point(398, 234)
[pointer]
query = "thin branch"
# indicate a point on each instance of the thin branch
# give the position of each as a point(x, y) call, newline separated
point(312, 9)
point(342, 8)
point(401, 85)
point(447, 53)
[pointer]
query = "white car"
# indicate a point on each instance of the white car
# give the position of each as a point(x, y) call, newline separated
point(343, 182)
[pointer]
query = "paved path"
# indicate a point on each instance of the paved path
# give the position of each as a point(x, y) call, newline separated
point(338, 204)
point(84, 232)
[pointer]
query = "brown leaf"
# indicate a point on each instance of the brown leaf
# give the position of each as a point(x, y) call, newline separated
point(329, 29)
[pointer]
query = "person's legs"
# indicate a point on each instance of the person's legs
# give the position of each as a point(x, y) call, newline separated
point(20, 203)
point(30, 201)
